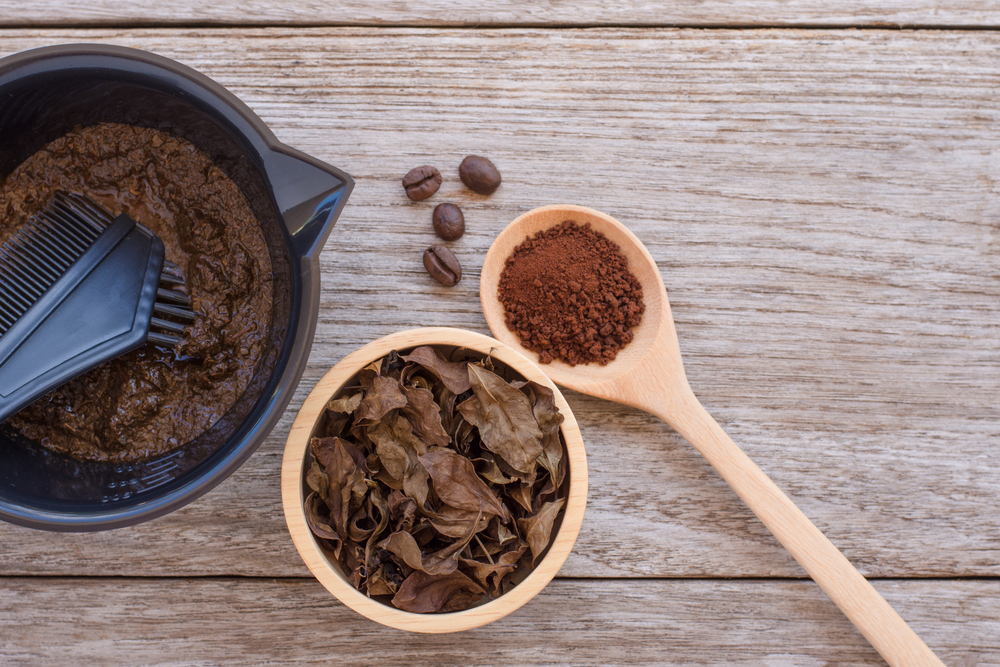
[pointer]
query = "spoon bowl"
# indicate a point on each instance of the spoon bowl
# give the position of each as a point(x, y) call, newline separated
point(649, 374)
point(640, 262)
point(654, 347)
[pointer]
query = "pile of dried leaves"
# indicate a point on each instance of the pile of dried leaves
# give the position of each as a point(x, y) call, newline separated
point(439, 482)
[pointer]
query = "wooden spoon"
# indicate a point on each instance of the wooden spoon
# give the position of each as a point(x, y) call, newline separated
point(649, 374)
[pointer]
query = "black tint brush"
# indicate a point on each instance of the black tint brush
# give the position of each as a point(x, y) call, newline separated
point(79, 287)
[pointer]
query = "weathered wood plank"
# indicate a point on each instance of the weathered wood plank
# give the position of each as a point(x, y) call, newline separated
point(296, 622)
point(824, 207)
point(693, 13)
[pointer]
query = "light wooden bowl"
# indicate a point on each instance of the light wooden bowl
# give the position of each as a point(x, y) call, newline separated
point(328, 572)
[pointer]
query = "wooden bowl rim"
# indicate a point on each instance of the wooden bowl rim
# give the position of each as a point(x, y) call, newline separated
point(293, 498)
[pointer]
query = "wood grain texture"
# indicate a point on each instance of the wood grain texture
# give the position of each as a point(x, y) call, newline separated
point(159, 623)
point(717, 13)
point(823, 206)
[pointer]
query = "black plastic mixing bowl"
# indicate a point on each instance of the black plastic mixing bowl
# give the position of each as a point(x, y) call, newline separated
point(47, 92)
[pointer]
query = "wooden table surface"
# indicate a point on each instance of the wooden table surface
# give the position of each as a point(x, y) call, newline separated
point(821, 191)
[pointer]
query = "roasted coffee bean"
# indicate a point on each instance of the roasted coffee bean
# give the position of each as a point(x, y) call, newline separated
point(479, 175)
point(421, 182)
point(449, 223)
point(442, 265)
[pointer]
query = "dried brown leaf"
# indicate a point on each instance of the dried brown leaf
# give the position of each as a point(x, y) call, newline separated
point(424, 593)
point(323, 449)
point(504, 535)
point(446, 400)
point(455, 523)
point(342, 472)
point(548, 417)
point(487, 546)
point(352, 563)
point(346, 404)
point(543, 405)
point(336, 422)
point(465, 434)
point(524, 478)
point(382, 394)
point(419, 381)
point(505, 420)
point(443, 561)
point(521, 494)
point(399, 452)
point(318, 523)
point(452, 373)
point(488, 470)
point(378, 584)
point(377, 503)
point(402, 510)
point(469, 409)
point(317, 479)
point(501, 567)
point(457, 484)
point(360, 526)
point(424, 415)
point(542, 493)
point(538, 528)
point(387, 479)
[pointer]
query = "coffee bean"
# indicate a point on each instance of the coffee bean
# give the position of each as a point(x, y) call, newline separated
point(479, 175)
point(442, 265)
point(449, 223)
point(422, 182)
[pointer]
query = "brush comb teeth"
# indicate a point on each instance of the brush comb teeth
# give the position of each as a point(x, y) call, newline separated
point(52, 240)
point(172, 310)
point(38, 255)
point(79, 287)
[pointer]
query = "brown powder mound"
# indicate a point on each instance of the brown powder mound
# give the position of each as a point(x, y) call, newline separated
point(568, 294)
point(153, 400)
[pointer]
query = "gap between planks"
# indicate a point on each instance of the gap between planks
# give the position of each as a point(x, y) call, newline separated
point(472, 27)
point(574, 579)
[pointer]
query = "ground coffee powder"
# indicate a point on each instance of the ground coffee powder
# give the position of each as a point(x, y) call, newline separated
point(568, 294)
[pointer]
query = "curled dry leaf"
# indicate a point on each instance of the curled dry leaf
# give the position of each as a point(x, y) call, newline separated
point(318, 521)
point(505, 420)
point(336, 422)
point(443, 561)
point(399, 453)
point(347, 404)
point(490, 471)
point(382, 506)
point(543, 406)
point(403, 510)
point(424, 593)
point(342, 472)
point(426, 487)
point(538, 528)
point(382, 394)
point(454, 522)
point(453, 374)
point(457, 484)
point(503, 565)
point(379, 583)
point(424, 415)
point(317, 480)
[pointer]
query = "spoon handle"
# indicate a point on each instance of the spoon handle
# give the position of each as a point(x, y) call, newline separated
point(856, 597)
